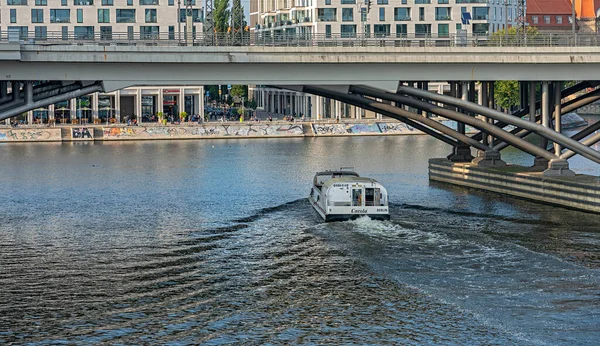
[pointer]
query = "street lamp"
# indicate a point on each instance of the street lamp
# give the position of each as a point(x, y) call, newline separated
point(179, 21)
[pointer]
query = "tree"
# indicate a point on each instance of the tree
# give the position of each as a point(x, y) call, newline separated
point(239, 91)
point(513, 37)
point(221, 15)
point(238, 20)
point(213, 92)
point(506, 93)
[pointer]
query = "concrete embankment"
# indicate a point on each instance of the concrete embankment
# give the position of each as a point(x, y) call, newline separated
point(43, 133)
point(581, 192)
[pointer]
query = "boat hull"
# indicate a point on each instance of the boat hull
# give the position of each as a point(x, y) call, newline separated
point(342, 216)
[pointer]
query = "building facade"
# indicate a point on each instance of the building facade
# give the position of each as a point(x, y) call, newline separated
point(440, 20)
point(107, 20)
point(550, 15)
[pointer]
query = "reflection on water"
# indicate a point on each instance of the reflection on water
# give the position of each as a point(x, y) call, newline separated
point(212, 242)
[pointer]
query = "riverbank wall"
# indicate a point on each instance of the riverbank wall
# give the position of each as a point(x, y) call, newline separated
point(580, 192)
point(65, 133)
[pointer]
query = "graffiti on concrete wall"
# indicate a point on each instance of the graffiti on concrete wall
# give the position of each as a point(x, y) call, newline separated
point(397, 128)
point(219, 130)
point(342, 129)
point(81, 133)
point(19, 135)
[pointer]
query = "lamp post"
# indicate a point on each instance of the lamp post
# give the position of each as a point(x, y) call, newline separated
point(506, 21)
point(573, 21)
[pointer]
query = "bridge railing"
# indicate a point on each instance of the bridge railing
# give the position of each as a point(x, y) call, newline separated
point(297, 40)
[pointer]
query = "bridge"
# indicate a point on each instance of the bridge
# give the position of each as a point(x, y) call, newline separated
point(386, 77)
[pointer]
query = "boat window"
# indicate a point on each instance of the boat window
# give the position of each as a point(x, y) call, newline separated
point(378, 197)
point(369, 197)
point(357, 197)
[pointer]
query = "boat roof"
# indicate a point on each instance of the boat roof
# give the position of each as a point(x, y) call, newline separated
point(338, 172)
point(350, 179)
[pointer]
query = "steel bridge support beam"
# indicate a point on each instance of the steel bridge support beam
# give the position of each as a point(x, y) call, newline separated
point(517, 142)
point(558, 167)
point(461, 153)
point(410, 118)
point(545, 132)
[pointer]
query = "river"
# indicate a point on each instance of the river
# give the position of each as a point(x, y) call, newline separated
point(213, 242)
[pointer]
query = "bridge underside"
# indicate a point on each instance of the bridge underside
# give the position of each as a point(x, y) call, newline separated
point(497, 130)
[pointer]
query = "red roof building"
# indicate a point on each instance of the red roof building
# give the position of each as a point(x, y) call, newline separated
point(550, 15)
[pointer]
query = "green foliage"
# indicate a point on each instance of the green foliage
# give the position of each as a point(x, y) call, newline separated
point(183, 115)
point(213, 91)
point(506, 93)
point(237, 16)
point(221, 15)
point(239, 90)
point(251, 104)
point(513, 36)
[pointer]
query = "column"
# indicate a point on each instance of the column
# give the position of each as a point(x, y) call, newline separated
point(138, 105)
point(180, 102)
point(118, 106)
point(160, 101)
point(557, 115)
point(29, 117)
point(532, 108)
point(483, 100)
point(50, 113)
point(200, 110)
point(95, 107)
point(73, 109)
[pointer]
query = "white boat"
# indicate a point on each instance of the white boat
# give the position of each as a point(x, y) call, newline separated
point(344, 195)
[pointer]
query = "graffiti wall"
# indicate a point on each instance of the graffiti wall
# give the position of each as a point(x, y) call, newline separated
point(345, 129)
point(220, 130)
point(33, 135)
point(398, 129)
point(82, 133)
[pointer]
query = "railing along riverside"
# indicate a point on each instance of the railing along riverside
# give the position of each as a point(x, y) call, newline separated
point(267, 38)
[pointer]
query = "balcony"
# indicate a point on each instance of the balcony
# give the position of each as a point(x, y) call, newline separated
point(402, 18)
point(443, 17)
point(327, 19)
point(480, 17)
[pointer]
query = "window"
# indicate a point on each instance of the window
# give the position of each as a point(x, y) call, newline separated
point(126, 16)
point(382, 2)
point(197, 15)
point(37, 15)
point(443, 13)
point(83, 2)
point(64, 3)
point(148, 2)
point(558, 19)
point(171, 32)
point(150, 15)
point(13, 15)
point(547, 19)
point(107, 2)
point(17, 2)
point(481, 29)
point(106, 32)
point(130, 3)
point(480, 13)
point(458, 26)
point(381, 30)
point(347, 15)
point(348, 2)
point(103, 15)
point(419, 2)
point(148, 32)
point(570, 19)
point(327, 2)
point(401, 30)
point(84, 32)
point(171, 2)
point(421, 13)
point(382, 14)
point(327, 14)
point(404, 2)
point(328, 31)
point(348, 30)
point(65, 32)
point(534, 19)
point(79, 15)
point(422, 30)
point(130, 32)
point(22, 32)
point(41, 3)
point(41, 32)
point(401, 14)
point(443, 30)
point(443, 2)
point(60, 16)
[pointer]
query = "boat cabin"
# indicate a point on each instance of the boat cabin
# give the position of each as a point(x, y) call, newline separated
point(322, 177)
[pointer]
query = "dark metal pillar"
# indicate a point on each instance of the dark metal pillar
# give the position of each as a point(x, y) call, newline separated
point(461, 153)
point(532, 101)
point(540, 163)
point(560, 166)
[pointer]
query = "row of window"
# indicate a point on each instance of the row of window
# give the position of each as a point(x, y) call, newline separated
point(121, 15)
point(548, 19)
point(400, 14)
point(423, 2)
point(102, 2)
point(443, 30)
point(88, 32)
